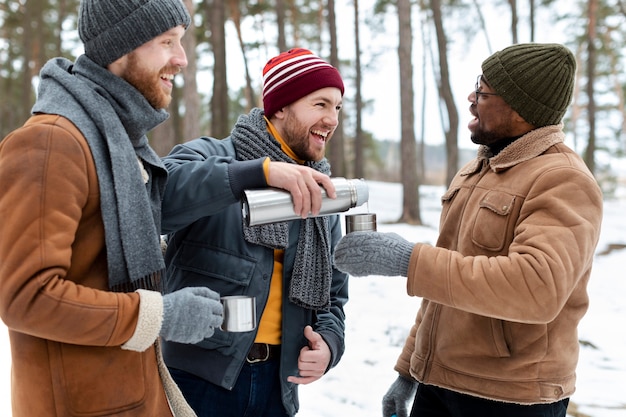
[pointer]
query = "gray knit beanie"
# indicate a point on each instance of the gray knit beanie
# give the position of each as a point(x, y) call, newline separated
point(536, 80)
point(112, 28)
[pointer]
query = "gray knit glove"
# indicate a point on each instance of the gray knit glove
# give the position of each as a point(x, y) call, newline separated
point(400, 394)
point(191, 314)
point(373, 253)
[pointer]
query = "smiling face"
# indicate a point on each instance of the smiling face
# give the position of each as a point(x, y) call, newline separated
point(151, 67)
point(308, 124)
point(494, 120)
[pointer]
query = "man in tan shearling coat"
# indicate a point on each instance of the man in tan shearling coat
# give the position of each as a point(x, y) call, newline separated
point(506, 285)
point(80, 203)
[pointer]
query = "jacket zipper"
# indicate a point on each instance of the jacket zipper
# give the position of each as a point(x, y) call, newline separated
point(435, 318)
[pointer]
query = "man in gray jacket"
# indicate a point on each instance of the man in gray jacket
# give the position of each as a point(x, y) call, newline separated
point(286, 266)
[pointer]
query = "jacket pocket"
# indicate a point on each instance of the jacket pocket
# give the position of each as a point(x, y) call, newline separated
point(465, 339)
point(492, 222)
point(499, 339)
point(98, 381)
point(204, 261)
point(447, 198)
point(228, 273)
point(447, 209)
point(449, 195)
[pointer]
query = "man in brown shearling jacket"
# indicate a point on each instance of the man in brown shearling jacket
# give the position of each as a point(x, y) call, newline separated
point(80, 205)
point(506, 285)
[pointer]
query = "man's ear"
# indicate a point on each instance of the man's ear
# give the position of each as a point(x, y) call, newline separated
point(280, 114)
point(118, 66)
point(517, 118)
point(519, 121)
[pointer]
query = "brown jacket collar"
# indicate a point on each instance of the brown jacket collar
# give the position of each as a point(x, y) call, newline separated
point(530, 145)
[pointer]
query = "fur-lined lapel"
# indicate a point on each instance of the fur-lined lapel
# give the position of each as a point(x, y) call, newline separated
point(532, 144)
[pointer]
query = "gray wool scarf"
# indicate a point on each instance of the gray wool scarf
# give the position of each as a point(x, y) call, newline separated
point(312, 271)
point(114, 118)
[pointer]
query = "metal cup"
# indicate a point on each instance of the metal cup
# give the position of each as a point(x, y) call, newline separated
point(239, 313)
point(363, 222)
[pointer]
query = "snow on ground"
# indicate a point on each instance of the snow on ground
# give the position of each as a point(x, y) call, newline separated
point(380, 314)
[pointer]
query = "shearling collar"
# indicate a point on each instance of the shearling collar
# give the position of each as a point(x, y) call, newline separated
point(532, 144)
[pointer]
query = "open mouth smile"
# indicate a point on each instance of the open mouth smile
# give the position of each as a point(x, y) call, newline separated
point(322, 135)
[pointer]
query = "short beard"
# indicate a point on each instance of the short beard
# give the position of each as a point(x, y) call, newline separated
point(503, 132)
point(297, 138)
point(148, 83)
point(485, 138)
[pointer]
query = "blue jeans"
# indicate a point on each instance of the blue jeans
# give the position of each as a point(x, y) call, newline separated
point(256, 393)
point(431, 401)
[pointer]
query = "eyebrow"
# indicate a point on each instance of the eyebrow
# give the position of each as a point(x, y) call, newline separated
point(171, 32)
point(324, 99)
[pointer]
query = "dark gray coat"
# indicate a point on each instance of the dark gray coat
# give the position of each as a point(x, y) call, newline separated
point(202, 214)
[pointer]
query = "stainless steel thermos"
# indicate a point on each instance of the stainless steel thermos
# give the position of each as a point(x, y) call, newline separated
point(271, 205)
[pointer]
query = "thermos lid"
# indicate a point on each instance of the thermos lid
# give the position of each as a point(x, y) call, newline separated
point(362, 192)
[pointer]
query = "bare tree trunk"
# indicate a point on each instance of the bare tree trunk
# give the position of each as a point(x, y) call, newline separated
point(29, 35)
point(315, 40)
point(191, 98)
point(591, 68)
point(619, 91)
point(513, 4)
point(336, 154)
point(421, 161)
point(576, 107)
point(32, 19)
point(280, 22)
point(410, 184)
point(531, 5)
point(483, 26)
point(220, 123)
point(294, 22)
point(445, 92)
point(359, 140)
point(235, 16)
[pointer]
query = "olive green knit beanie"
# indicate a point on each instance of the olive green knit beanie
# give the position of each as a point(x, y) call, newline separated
point(535, 79)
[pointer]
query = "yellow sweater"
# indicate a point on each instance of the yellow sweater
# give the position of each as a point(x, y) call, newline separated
point(270, 324)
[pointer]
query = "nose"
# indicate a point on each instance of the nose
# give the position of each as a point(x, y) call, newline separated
point(472, 97)
point(331, 118)
point(180, 57)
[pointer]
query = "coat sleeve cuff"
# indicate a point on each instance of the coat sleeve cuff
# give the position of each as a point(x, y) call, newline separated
point(243, 175)
point(335, 346)
point(148, 323)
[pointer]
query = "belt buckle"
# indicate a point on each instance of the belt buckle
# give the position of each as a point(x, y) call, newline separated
point(257, 360)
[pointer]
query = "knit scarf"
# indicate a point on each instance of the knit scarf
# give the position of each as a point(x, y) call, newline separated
point(312, 272)
point(114, 118)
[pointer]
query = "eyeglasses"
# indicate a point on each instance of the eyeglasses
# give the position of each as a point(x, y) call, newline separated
point(477, 91)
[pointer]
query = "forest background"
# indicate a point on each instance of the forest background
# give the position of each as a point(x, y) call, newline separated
point(408, 66)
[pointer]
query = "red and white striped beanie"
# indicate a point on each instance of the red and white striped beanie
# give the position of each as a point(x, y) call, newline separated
point(294, 74)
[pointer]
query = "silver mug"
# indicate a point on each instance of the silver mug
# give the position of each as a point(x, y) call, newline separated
point(362, 222)
point(239, 313)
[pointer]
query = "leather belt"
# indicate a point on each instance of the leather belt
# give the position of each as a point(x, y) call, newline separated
point(262, 352)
